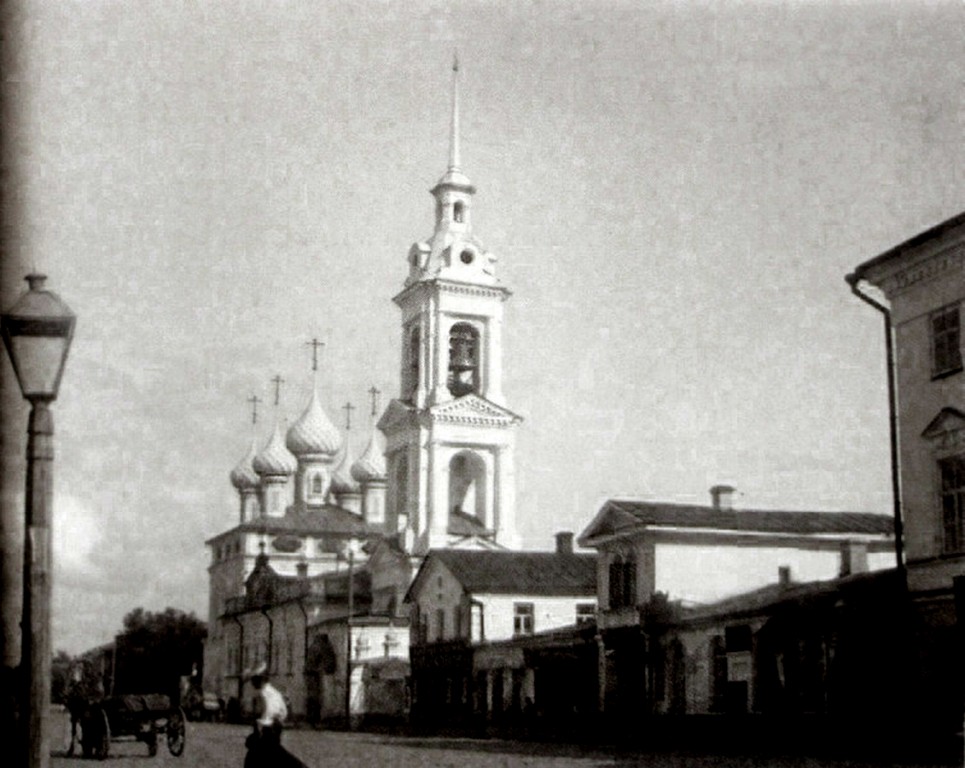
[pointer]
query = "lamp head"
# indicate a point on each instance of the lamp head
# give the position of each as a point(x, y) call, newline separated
point(37, 331)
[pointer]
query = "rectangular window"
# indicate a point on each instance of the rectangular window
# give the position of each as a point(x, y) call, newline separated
point(440, 625)
point(946, 341)
point(477, 630)
point(585, 613)
point(953, 503)
point(522, 619)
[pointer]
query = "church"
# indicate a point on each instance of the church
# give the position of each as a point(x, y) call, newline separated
point(311, 580)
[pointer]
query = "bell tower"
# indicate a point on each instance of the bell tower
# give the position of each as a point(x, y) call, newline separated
point(449, 437)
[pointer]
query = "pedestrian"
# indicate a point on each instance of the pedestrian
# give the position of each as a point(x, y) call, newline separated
point(264, 742)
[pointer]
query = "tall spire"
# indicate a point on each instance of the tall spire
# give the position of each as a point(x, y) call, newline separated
point(454, 126)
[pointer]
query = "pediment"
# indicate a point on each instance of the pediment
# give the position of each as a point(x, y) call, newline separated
point(474, 543)
point(473, 409)
point(946, 431)
point(948, 420)
point(609, 521)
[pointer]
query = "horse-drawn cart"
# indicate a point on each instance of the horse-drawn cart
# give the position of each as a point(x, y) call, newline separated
point(132, 718)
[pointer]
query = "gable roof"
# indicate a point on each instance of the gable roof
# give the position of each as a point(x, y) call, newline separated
point(504, 572)
point(764, 599)
point(622, 516)
point(934, 233)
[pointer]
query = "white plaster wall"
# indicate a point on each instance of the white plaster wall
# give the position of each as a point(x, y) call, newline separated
point(707, 573)
point(548, 612)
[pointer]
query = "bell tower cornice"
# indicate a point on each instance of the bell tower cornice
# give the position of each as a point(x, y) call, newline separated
point(422, 290)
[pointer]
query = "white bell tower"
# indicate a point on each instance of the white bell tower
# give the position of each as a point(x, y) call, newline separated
point(450, 439)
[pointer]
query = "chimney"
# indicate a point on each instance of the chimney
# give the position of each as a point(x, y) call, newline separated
point(302, 569)
point(722, 497)
point(564, 543)
point(784, 576)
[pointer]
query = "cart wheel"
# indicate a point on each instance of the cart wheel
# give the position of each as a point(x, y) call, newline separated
point(175, 732)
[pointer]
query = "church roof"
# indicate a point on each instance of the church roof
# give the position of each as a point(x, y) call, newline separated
point(621, 516)
point(342, 480)
point(275, 458)
point(314, 432)
point(243, 476)
point(517, 573)
point(316, 520)
point(371, 464)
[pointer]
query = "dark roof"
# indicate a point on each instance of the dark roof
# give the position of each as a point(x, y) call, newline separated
point(761, 600)
point(751, 521)
point(914, 242)
point(320, 520)
point(530, 573)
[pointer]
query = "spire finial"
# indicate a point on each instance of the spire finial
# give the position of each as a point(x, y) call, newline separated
point(254, 400)
point(374, 392)
point(348, 408)
point(315, 344)
point(277, 381)
point(454, 126)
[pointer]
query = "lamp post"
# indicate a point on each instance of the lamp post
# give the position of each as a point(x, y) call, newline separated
point(37, 332)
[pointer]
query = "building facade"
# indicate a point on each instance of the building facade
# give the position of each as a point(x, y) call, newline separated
point(438, 471)
point(465, 603)
point(919, 287)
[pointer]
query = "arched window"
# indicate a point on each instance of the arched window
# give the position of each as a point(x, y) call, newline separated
point(467, 481)
point(400, 486)
point(457, 212)
point(415, 350)
point(623, 581)
point(463, 359)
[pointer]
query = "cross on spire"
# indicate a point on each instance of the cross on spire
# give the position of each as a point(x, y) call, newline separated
point(454, 125)
point(374, 392)
point(254, 400)
point(315, 344)
point(277, 381)
point(348, 408)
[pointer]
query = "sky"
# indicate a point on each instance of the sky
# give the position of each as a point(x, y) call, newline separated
point(675, 192)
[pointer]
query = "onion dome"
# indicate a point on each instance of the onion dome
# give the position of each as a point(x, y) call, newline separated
point(243, 476)
point(313, 433)
point(371, 464)
point(342, 480)
point(275, 458)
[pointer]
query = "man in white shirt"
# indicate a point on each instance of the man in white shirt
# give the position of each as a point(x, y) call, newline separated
point(264, 744)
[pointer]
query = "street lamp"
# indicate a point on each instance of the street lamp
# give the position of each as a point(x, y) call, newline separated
point(37, 332)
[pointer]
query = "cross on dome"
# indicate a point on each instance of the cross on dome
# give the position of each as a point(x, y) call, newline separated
point(277, 381)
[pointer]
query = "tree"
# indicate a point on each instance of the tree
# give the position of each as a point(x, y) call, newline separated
point(156, 650)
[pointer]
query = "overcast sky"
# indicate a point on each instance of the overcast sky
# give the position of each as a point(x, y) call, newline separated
point(675, 192)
